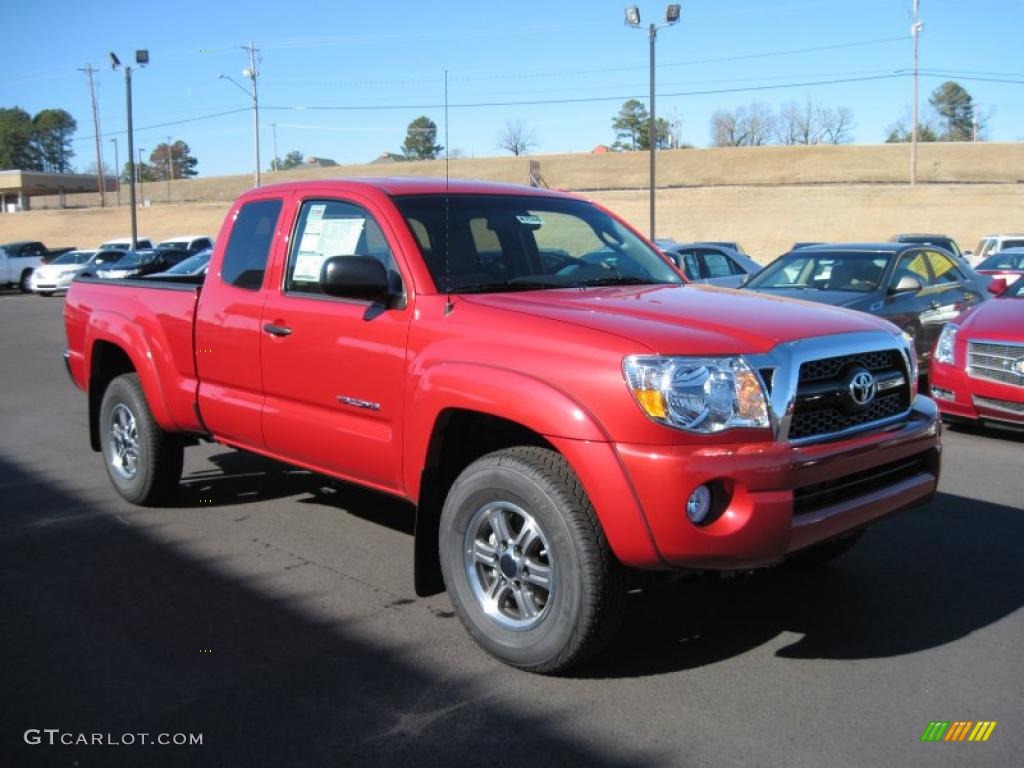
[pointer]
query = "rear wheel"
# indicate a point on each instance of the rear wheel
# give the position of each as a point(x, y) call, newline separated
point(525, 561)
point(143, 462)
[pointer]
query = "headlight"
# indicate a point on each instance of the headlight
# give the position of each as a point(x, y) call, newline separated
point(944, 347)
point(697, 394)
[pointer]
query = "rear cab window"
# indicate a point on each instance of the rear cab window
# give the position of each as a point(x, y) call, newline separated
point(245, 257)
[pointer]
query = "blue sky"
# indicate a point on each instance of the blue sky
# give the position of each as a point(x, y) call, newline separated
point(383, 64)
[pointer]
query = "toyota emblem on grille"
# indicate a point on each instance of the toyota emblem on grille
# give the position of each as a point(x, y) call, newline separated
point(862, 387)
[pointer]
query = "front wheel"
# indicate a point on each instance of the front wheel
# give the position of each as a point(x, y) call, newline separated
point(144, 462)
point(526, 563)
point(26, 281)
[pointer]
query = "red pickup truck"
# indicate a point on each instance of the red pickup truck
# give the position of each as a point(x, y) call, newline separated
point(562, 409)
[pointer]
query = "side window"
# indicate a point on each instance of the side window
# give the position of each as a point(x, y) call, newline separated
point(245, 258)
point(912, 263)
point(718, 264)
point(334, 228)
point(201, 244)
point(943, 269)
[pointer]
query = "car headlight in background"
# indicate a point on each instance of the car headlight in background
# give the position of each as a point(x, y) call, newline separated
point(697, 394)
point(944, 347)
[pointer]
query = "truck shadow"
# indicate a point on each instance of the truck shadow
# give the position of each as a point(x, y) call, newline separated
point(916, 581)
point(243, 478)
point(110, 629)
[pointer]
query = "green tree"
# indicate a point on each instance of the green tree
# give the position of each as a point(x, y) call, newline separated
point(52, 130)
point(292, 160)
point(662, 136)
point(419, 139)
point(955, 108)
point(182, 163)
point(143, 172)
point(17, 151)
point(631, 123)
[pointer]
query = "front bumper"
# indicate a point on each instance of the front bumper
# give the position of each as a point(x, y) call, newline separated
point(778, 498)
point(960, 396)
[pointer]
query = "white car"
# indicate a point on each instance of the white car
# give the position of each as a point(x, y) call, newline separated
point(125, 244)
point(58, 274)
point(991, 244)
point(193, 243)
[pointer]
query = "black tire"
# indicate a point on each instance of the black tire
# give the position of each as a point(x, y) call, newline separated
point(25, 284)
point(585, 600)
point(152, 478)
point(824, 553)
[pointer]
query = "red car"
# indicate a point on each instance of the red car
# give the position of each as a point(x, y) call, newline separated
point(978, 366)
point(1008, 263)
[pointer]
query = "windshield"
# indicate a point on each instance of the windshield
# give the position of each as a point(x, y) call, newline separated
point(73, 257)
point(942, 242)
point(824, 271)
point(127, 260)
point(1011, 244)
point(191, 264)
point(490, 243)
point(1004, 260)
point(107, 257)
point(173, 244)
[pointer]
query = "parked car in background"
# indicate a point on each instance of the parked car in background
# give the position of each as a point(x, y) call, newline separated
point(710, 263)
point(58, 274)
point(804, 244)
point(993, 244)
point(1008, 263)
point(193, 266)
point(726, 244)
point(125, 244)
point(942, 241)
point(978, 368)
point(917, 287)
point(19, 259)
point(142, 263)
point(191, 243)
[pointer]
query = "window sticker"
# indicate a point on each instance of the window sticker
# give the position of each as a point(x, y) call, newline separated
point(329, 237)
point(534, 221)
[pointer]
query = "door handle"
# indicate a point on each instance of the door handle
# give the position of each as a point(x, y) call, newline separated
point(277, 330)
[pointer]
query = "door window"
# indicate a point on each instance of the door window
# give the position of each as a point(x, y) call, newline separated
point(329, 228)
point(914, 264)
point(944, 271)
point(718, 264)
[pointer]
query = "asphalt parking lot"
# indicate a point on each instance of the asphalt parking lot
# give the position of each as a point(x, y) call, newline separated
point(272, 611)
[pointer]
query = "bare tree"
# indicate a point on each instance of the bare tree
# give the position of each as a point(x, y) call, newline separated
point(517, 137)
point(799, 123)
point(725, 129)
point(836, 126)
point(758, 123)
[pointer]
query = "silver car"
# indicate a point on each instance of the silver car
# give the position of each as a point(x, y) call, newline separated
point(711, 263)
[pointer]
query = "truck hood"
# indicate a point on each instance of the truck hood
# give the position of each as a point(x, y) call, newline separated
point(687, 319)
point(832, 298)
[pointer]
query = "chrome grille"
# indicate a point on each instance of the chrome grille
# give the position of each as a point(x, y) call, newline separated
point(995, 362)
point(1000, 405)
point(823, 418)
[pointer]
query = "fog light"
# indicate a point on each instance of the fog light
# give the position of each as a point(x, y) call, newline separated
point(942, 394)
point(698, 506)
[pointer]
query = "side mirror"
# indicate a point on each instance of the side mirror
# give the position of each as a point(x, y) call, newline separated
point(907, 284)
point(745, 279)
point(997, 285)
point(354, 277)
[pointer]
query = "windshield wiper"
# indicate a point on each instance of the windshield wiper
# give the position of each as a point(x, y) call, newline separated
point(506, 285)
point(617, 280)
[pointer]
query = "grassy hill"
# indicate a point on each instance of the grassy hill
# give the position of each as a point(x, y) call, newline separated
point(765, 197)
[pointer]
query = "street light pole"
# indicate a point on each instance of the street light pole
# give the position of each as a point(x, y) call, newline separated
point(252, 74)
point(170, 169)
point(633, 20)
point(141, 191)
point(915, 30)
point(141, 59)
point(117, 171)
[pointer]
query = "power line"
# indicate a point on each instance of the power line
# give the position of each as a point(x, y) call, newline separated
point(174, 122)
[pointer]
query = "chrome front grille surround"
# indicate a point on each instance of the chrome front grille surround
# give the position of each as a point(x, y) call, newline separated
point(822, 357)
point(996, 361)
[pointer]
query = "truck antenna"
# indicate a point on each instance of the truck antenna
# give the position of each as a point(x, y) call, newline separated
point(447, 209)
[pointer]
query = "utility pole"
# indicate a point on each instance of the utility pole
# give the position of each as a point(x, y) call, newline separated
point(117, 169)
point(652, 129)
point(274, 126)
point(915, 30)
point(142, 195)
point(170, 169)
point(252, 74)
point(88, 70)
